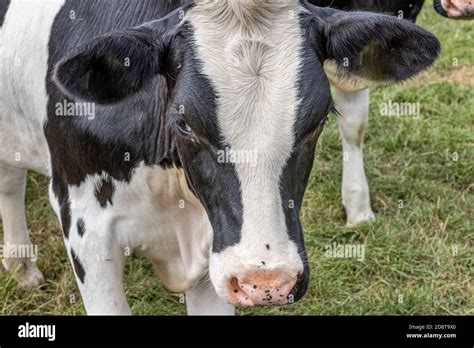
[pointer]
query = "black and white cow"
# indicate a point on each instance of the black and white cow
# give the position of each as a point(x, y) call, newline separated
point(129, 107)
point(352, 101)
point(407, 9)
point(455, 9)
point(403, 9)
point(352, 98)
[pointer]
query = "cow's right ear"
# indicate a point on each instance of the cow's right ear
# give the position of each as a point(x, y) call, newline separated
point(112, 67)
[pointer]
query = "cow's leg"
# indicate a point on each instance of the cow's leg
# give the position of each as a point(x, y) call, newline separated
point(15, 232)
point(98, 263)
point(354, 109)
point(203, 300)
point(94, 252)
point(100, 278)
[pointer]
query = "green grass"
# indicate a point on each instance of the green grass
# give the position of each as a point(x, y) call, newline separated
point(409, 251)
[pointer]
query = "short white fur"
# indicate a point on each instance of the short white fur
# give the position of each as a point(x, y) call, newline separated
point(253, 67)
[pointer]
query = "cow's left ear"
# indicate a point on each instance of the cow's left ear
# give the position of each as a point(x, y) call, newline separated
point(116, 65)
point(377, 47)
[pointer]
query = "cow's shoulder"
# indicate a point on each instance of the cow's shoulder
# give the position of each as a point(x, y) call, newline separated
point(153, 213)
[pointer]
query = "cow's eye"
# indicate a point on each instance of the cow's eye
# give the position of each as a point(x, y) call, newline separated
point(183, 127)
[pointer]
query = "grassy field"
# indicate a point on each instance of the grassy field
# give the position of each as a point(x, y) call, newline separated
point(419, 258)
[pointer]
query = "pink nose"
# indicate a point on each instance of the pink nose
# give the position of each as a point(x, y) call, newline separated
point(261, 288)
point(459, 8)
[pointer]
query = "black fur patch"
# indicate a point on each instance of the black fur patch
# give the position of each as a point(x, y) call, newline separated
point(78, 268)
point(62, 194)
point(66, 217)
point(216, 184)
point(4, 4)
point(311, 114)
point(104, 191)
point(81, 227)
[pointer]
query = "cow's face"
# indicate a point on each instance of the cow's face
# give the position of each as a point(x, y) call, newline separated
point(456, 9)
point(248, 100)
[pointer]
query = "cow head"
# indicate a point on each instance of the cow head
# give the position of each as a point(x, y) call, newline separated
point(456, 9)
point(248, 99)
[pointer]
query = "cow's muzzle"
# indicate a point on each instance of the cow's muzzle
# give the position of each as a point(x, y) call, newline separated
point(456, 9)
point(262, 288)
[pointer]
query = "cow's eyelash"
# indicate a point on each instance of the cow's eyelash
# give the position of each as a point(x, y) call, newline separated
point(174, 109)
point(171, 77)
point(333, 110)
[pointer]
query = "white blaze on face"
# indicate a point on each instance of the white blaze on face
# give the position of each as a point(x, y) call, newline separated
point(251, 53)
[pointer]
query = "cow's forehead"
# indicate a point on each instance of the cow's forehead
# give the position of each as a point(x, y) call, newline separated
point(252, 64)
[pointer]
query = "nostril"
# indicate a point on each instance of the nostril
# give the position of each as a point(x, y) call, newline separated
point(239, 293)
point(234, 283)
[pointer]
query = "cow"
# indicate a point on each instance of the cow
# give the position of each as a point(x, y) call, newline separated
point(182, 131)
point(352, 100)
point(403, 9)
point(407, 9)
point(455, 9)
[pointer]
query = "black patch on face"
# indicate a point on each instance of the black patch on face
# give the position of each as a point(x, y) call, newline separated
point(4, 4)
point(104, 191)
point(293, 183)
point(78, 268)
point(62, 194)
point(215, 184)
point(81, 227)
point(315, 104)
